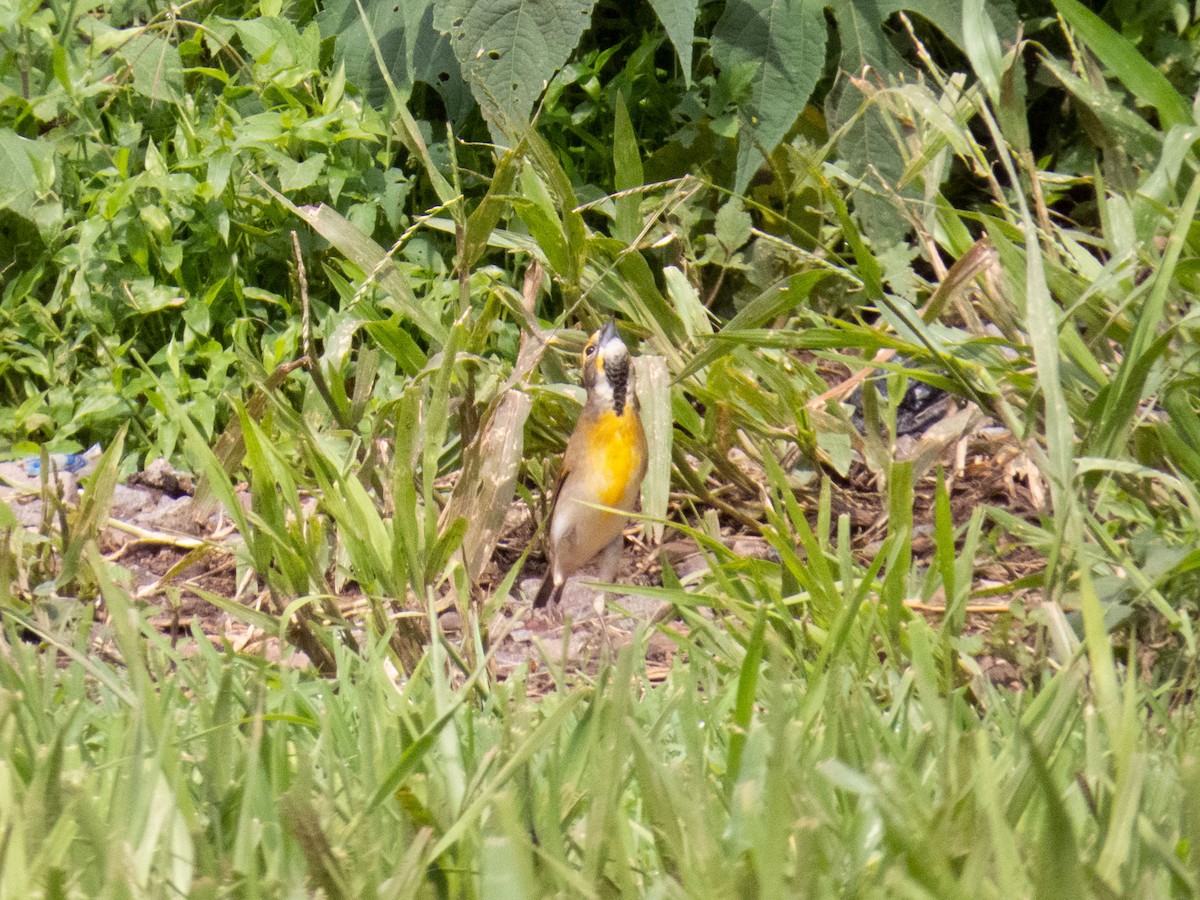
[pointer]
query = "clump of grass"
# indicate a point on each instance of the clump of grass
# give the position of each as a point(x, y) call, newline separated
point(775, 757)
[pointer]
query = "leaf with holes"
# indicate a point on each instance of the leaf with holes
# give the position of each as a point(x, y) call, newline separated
point(510, 49)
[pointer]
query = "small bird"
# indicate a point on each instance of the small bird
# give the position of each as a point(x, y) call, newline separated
point(604, 465)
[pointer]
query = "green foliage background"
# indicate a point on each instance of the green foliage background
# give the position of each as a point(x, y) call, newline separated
point(134, 141)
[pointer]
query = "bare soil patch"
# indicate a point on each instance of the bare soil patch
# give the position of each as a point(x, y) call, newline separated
point(178, 557)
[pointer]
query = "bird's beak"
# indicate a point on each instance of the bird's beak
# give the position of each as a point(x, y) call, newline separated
point(608, 334)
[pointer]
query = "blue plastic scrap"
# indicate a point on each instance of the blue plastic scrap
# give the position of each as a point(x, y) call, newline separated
point(63, 462)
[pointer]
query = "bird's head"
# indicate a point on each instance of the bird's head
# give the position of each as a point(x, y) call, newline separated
point(607, 369)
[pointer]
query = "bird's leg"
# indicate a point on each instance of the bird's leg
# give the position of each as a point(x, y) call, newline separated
point(549, 597)
point(610, 558)
point(554, 609)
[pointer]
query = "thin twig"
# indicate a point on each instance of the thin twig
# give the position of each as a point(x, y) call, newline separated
point(978, 610)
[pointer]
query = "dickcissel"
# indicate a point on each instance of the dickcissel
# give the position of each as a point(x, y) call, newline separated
point(603, 466)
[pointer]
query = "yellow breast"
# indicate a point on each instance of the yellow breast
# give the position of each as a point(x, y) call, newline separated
point(617, 457)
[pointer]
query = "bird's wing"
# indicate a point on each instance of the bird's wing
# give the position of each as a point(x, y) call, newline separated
point(564, 472)
point(572, 460)
point(558, 486)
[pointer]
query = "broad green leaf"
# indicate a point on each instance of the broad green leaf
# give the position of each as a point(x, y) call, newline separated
point(434, 63)
point(786, 39)
point(868, 142)
point(295, 176)
point(388, 23)
point(410, 47)
point(678, 18)
point(157, 66)
point(733, 225)
point(26, 173)
point(277, 45)
point(510, 49)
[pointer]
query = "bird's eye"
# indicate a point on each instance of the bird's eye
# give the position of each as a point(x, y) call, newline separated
point(589, 350)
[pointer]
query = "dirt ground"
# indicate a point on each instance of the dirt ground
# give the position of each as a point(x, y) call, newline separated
point(178, 556)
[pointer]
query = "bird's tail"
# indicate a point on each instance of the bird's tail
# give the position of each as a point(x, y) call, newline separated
point(549, 592)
